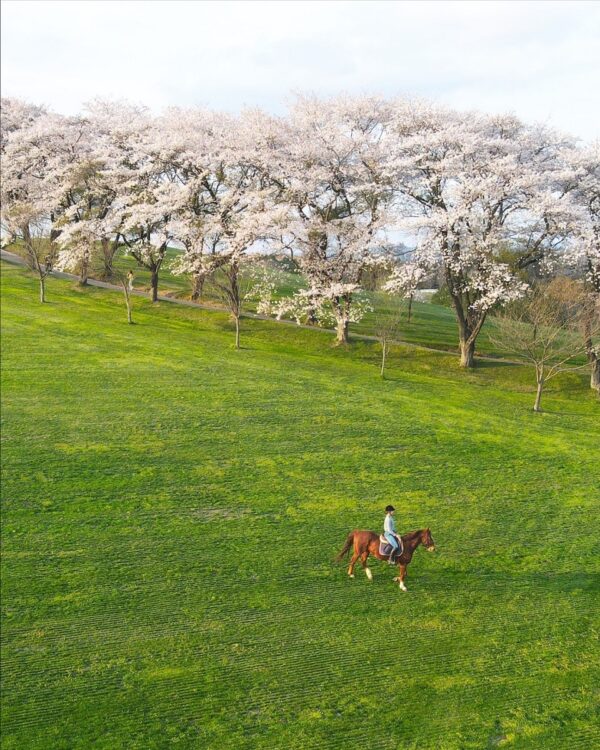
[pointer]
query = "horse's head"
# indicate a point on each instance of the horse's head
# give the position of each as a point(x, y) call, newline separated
point(427, 540)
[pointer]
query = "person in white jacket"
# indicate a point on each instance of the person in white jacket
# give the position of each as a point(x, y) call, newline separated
point(389, 532)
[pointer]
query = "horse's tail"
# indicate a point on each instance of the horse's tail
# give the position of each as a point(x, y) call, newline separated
point(346, 547)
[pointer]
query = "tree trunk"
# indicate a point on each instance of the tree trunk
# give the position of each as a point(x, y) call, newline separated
point(127, 295)
point(237, 331)
point(31, 257)
point(383, 354)
point(154, 284)
point(108, 254)
point(592, 356)
point(467, 353)
point(42, 289)
point(538, 395)
point(198, 287)
point(410, 301)
point(468, 326)
point(83, 271)
point(54, 235)
point(595, 377)
point(26, 234)
point(342, 330)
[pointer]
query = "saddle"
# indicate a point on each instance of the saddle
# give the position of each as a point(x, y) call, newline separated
point(385, 548)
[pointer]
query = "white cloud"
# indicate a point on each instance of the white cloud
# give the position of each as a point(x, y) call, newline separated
point(538, 59)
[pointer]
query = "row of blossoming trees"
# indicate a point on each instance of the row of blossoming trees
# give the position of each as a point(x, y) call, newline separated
point(331, 182)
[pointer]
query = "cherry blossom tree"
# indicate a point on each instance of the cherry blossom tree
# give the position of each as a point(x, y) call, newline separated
point(404, 281)
point(103, 173)
point(138, 169)
point(121, 190)
point(565, 238)
point(75, 191)
point(470, 184)
point(33, 160)
point(326, 183)
point(88, 195)
point(16, 114)
point(225, 206)
point(584, 249)
point(197, 142)
point(55, 162)
point(331, 177)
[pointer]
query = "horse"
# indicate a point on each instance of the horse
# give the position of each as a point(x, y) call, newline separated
point(367, 543)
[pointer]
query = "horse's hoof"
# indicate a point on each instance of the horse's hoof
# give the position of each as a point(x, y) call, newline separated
point(351, 575)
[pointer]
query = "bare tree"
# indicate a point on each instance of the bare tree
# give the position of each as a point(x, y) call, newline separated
point(236, 280)
point(126, 282)
point(387, 326)
point(544, 330)
point(593, 351)
point(227, 284)
point(39, 250)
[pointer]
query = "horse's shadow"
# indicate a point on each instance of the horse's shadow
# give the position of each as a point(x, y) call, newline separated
point(507, 581)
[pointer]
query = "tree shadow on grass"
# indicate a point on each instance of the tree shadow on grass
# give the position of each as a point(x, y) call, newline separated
point(552, 413)
point(488, 363)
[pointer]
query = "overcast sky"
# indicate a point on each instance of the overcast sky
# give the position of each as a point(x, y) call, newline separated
point(540, 60)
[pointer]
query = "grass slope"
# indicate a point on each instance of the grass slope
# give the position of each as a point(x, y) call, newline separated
point(431, 325)
point(171, 508)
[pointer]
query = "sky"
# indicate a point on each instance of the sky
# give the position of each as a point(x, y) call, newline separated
point(539, 60)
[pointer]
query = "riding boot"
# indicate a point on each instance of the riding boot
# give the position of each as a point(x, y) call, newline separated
point(391, 558)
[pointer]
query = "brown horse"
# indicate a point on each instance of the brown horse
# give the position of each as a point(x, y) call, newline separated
point(367, 543)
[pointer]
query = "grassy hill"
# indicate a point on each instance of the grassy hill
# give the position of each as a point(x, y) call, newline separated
point(431, 325)
point(171, 508)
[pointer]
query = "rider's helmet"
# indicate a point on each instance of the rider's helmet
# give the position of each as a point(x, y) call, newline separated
point(389, 508)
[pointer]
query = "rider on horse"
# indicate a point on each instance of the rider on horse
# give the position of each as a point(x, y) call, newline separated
point(389, 531)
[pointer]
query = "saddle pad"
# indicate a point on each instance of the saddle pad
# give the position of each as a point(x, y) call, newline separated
point(385, 549)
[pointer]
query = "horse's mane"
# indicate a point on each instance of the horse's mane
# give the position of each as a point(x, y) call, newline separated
point(413, 534)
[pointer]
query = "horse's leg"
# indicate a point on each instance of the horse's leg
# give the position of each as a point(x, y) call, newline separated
point(401, 578)
point(352, 564)
point(363, 559)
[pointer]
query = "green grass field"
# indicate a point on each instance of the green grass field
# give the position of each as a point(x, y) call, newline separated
point(431, 325)
point(171, 508)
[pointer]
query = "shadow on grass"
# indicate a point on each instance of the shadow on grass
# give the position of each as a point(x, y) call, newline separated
point(486, 364)
point(443, 583)
point(506, 582)
point(551, 413)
